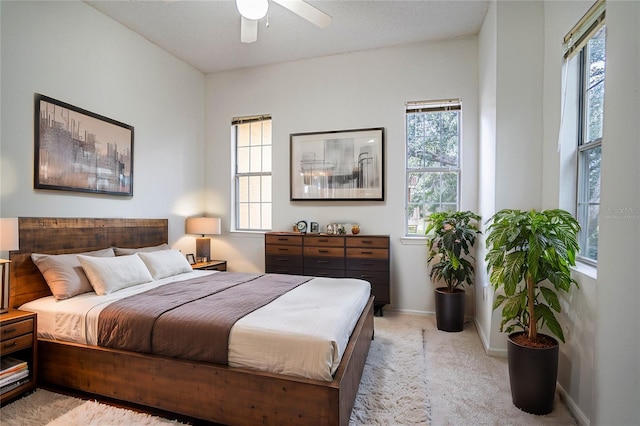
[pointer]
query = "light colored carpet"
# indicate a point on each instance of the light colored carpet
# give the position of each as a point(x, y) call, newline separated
point(467, 387)
point(414, 375)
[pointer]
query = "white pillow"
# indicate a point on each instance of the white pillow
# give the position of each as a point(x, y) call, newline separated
point(63, 272)
point(165, 263)
point(109, 274)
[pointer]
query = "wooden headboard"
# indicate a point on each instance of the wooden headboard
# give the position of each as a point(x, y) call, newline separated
point(72, 235)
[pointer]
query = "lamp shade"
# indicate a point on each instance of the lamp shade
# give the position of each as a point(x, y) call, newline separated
point(203, 225)
point(9, 234)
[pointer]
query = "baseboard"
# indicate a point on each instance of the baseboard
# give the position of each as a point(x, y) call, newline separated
point(580, 417)
point(498, 353)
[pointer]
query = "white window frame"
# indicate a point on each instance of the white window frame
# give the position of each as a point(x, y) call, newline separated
point(263, 205)
point(576, 42)
point(416, 230)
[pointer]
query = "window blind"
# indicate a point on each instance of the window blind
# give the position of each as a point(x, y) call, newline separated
point(433, 106)
point(586, 27)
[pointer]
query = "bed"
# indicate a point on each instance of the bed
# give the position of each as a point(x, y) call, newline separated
point(199, 389)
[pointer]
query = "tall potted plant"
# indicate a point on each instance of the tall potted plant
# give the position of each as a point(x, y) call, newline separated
point(450, 237)
point(529, 259)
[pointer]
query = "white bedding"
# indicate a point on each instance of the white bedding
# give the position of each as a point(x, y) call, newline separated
point(303, 333)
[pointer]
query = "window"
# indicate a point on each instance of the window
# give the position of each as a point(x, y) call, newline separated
point(252, 139)
point(592, 65)
point(587, 41)
point(433, 160)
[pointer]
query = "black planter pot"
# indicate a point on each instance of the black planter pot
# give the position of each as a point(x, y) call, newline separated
point(533, 373)
point(450, 309)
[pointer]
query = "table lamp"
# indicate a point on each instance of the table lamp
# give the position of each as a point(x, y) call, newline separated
point(8, 241)
point(203, 226)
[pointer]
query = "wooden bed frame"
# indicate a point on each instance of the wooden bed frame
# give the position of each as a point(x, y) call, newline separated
point(211, 392)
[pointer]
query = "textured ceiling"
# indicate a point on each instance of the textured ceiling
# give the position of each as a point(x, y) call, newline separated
point(206, 34)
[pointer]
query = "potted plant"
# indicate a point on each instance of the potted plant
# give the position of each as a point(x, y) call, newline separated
point(529, 259)
point(450, 236)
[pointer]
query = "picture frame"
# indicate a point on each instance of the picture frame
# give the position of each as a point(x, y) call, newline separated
point(78, 150)
point(339, 165)
point(191, 259)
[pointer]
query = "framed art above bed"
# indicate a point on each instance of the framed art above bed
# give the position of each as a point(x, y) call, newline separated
point(78, 150)
point(339, 165)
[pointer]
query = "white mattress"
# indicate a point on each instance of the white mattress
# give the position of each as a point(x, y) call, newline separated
point(302, 333)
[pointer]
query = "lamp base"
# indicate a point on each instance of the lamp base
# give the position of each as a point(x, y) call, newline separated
point(203, 249)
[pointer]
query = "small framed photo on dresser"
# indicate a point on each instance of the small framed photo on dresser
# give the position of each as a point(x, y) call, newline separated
point(191, 259)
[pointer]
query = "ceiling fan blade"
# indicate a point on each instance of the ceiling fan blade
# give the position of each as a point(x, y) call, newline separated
point(248, 30)
point(306, 11)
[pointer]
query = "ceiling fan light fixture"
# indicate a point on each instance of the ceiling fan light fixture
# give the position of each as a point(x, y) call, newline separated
point(253, 9)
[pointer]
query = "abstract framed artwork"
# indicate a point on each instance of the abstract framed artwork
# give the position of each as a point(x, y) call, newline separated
point(78, 150)
point(341, 165)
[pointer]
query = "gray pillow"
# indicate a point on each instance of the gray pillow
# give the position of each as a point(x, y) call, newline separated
point(129, 251)
point(64, 274)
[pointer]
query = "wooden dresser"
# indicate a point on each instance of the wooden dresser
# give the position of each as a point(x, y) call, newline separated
point(336, 256)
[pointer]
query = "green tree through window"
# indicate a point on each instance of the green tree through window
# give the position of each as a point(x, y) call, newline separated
point(433, 160)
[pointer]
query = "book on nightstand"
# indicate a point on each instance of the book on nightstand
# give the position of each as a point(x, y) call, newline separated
point(13, 373)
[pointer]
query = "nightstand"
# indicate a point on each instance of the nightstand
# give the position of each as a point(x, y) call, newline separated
point(18, 344)
point(212, 265)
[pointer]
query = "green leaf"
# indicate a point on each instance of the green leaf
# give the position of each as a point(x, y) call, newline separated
point(543, 312)
point(551, 297)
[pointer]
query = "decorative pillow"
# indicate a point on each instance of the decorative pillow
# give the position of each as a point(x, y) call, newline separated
point(109, 274)
point(64, 274)
point(120, 251)
point(165, 263)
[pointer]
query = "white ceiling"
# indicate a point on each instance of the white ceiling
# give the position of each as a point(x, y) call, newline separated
point(206, 34)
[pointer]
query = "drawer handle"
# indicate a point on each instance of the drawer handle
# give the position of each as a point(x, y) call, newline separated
point(366, 263)
point(366, 252)
point(324, 240)
point(10, 330)
point(283, 249)
point(283, 239)
point(323, 251)
point(6, 346)
point(322, 261)
point(283, 259)
point(367, 242)
point(365, 276)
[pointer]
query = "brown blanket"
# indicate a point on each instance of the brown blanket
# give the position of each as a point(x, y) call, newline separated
point(190, 319)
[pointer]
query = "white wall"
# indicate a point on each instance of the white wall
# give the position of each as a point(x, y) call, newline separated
point(73, 53)
point(358, 90)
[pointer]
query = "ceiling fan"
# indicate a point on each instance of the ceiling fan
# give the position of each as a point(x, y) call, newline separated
point(253, 10)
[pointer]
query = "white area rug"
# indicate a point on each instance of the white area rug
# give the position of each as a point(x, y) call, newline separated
point(414, 375)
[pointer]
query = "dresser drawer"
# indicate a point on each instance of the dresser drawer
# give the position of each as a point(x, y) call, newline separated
point(283, 260)
point(324, 241)
point(15, 329)
point(324, 262)
point(324, 251)
point(331, 273)
point(374, 277)
point(368, 253)
point(282, 249)
point(381, 293)
point(374, 242)
point(367, 264)
point(283, 269)
point(17, 343)
point(283, 239)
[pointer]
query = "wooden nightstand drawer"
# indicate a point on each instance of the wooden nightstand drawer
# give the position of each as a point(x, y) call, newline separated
point(12, 345)
point(323, 263)
point(15, 329)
